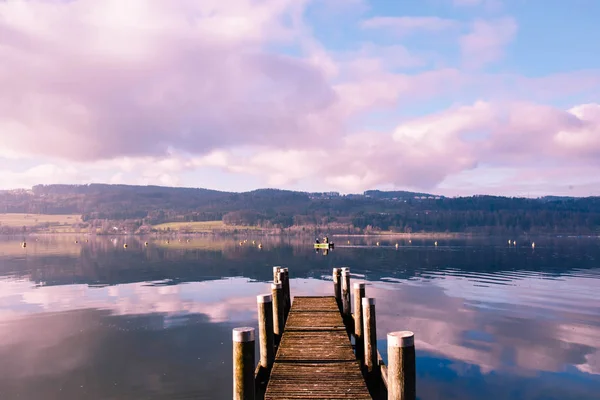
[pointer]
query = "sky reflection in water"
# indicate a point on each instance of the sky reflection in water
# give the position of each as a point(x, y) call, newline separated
point(98, 321)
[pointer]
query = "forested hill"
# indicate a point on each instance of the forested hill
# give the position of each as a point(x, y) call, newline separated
point(373, 210)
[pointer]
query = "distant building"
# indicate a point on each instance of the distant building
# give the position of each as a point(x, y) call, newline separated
point(324, 195)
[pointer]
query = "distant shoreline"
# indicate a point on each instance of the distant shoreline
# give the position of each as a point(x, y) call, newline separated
point(418, 235)
point(266, 233)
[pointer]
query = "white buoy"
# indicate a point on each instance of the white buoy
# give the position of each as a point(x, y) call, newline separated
point(533, 245)
point(514, 242)
point(396, 245)
point(435, 244)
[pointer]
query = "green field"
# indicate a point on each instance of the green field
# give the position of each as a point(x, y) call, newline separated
point(18, 220)
point(201, 226)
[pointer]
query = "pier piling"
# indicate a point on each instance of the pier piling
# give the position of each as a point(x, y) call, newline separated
point(243, 364)
point(359, 294)
point(287, 301)
point(370, 338)
point(281, 280)
point(265, 329)
point(278, 317)
point(401, 366)
point(346, 305)
point(337, 286)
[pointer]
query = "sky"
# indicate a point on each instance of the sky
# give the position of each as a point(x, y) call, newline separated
point(454, 97)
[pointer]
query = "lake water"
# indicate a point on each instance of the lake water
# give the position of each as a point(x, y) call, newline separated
point(94, 320)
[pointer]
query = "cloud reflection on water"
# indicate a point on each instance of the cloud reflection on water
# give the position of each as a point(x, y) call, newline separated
point(450, 317)
point(518, 324)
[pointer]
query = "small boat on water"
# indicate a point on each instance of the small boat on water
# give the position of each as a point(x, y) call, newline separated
point(325, 245)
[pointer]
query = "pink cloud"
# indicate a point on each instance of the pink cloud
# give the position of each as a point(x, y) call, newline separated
point(463, 146)
point(487, 41)
point(167, 88)
point(372, 59)
point(406, 25)
point(424, 152)
point(80, 84)
point(509, 133)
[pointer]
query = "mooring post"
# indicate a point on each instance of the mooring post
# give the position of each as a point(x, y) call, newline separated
point(359, 294)
point(243, 364)
point(281, 280)
point(286, 293)
point(346, 305)
point(370, 334)
point(278, 321)
point(276, 274)
point(265, 329)
point(401, 366)
point(337, 286)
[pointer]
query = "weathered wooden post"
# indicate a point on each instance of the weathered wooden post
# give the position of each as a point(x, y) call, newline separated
point(337, 286)
point(243, 364)
point(370, 334)
point(401, 366)
point(346, 305)
point(286, 292)
point(265, 329)
point(278, 321)
point(281, 280)
point(359, 294)
point(275, 274)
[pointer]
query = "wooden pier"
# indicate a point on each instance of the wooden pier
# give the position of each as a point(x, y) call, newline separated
point(314, 357)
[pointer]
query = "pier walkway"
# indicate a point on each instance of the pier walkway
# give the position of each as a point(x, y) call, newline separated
point(315, 359)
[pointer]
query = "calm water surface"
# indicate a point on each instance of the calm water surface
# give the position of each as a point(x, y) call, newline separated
point(93, 320)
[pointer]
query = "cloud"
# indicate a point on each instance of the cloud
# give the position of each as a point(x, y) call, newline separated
point(407, 25)
point(171, 89)
point(372, 59)
point(47, 173)
point(512, 133)
point(423, 152)
point(81, 84)
point(462, 144)
point(487, 41)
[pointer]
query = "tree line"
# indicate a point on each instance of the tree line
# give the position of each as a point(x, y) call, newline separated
point(374, 210)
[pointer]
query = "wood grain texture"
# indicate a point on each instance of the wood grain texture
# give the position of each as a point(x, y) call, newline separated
point(315, 358)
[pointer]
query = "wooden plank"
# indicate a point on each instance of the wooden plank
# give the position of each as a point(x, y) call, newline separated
point(315, 358)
